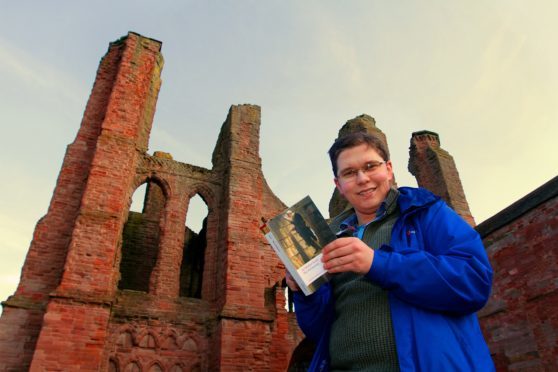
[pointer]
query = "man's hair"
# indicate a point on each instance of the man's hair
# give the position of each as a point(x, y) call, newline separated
point(356, 139)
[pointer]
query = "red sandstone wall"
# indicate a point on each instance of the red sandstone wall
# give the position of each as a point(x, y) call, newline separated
point(248, 323)
point(520, 322)
point(435, 170)
point(77, 316)
point(68, 313)
point(89, 163)
point(146, 330)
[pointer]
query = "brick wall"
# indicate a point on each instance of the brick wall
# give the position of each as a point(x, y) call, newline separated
point(215, 301)
point(435, 170)
point(520, 322)
point(140, 245)
point(103, 288)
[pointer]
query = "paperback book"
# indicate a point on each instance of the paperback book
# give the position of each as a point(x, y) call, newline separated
point(297, 236)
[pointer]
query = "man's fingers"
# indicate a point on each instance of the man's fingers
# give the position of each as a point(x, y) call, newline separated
point(337, 243)
point(339, 252)
point(340, 261)
point(342, 267)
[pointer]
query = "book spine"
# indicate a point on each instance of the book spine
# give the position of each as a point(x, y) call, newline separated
point(288, 263)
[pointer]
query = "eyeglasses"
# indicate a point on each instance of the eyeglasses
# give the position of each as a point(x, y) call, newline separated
point(368, 169)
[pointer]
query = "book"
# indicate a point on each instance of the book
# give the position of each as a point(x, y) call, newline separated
point(297, 235)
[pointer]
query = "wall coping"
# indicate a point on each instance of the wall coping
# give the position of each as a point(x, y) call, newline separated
point(530, 201)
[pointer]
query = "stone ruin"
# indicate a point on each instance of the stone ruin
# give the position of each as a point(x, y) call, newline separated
point(106, 289)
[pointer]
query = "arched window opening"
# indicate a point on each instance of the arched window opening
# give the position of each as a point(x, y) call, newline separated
point(132, 367)
point(176, 368)
point(140, 237)
point(155, 368)
point(289, 297)
point(195, 242)
point(138, 199)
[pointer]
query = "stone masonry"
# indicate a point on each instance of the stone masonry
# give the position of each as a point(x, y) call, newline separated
point(435, 170)
point(107, 290)
point(520, 320)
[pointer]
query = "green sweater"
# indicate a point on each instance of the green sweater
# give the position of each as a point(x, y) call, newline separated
point(361, 334)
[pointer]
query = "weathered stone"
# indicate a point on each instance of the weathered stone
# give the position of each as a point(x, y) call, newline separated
point(106, 289)
point(103, 288)
point(520, 321)
point(435, 170)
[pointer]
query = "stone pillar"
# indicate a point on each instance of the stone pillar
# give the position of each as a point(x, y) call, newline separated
point(361, 123)
point(241, 287)
point(435, 170)
point(96, 179)
point(165, 278)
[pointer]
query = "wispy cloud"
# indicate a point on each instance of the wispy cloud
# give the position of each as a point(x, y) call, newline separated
point(36, 74)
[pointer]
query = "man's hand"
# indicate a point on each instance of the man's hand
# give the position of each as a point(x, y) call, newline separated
point(291, 282)
point(347, 254)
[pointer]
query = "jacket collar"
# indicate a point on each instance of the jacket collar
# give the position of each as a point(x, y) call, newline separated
point(412, 198)
point(409, 199)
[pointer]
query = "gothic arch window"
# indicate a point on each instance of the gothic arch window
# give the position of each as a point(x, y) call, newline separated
point(155, 368)
point(132, 367)
point(169, 343)
point(125, 340)
point(176, 368)
point(141, 236)
point(148, 342)
point(195, 243)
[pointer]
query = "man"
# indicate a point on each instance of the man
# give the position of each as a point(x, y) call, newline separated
point(407, 280)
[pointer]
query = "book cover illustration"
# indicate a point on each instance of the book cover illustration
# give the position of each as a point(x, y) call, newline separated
point(297, 235)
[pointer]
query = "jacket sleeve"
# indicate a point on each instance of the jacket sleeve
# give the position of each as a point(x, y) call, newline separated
point(314, 312)
point(436, 262)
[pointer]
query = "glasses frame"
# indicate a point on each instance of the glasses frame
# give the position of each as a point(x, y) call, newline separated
point(369, 168)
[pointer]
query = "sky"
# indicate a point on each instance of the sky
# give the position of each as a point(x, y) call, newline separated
point(482, 74)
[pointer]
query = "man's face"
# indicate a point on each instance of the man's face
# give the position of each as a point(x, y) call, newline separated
point(366, 191)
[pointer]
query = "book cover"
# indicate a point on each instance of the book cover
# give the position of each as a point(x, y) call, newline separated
point(297, 236)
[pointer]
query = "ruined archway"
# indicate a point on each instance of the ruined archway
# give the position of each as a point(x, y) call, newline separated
point(140, 239)
point(195, 244)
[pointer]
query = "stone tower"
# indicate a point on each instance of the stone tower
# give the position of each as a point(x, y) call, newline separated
point(361, 123)
point(105, 289)
point(435, 170)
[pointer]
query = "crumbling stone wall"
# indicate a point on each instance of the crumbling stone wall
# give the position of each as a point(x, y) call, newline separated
point(520, 321)
point(435, 170)
point(59, 275)
point(191, 269)
point(106, 289)
point(140, 241)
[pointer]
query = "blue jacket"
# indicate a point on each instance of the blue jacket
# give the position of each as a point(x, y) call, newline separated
point(437, 275)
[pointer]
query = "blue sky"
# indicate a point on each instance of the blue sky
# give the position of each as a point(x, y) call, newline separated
point(481, 74)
